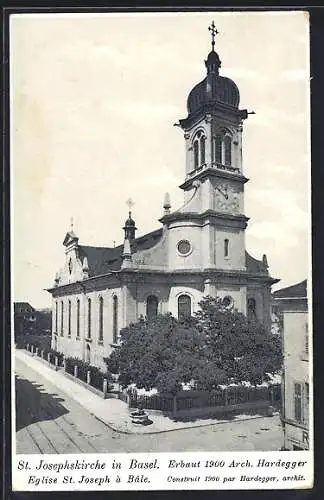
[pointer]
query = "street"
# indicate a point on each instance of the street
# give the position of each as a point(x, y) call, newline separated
point(48, 421)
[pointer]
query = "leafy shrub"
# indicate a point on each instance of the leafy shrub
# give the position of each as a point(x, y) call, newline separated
point(96, 375)
point(60, 357)
point(217, 346)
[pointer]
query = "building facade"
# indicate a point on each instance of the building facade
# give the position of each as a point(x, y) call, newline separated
point(29, 321)
point(198, 250)
point(291, 306)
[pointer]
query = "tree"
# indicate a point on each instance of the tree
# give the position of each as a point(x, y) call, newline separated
point(161, 353)
point(244, 350)
point(216, 346)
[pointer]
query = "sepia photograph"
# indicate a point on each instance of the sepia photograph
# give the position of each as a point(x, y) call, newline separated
point(161, 237)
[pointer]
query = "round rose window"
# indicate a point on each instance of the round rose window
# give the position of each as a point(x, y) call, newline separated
point(184, 247)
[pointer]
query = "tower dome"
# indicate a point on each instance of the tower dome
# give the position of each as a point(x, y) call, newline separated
point(129, 227)
point(129, 222)
point(214, 88)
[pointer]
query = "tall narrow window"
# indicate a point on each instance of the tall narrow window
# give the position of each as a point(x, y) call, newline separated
point(62, 317)
point(69, 318)
point(196, 154)
point(184, 307)
point(151, 307)
point(226, 247)
point(78, 319)
point(298, 402)
point(101, 304)
point(115, 319)
point(227, 150)
point(218, 149)
point(202, 150)
point(89, 318)
point(56, 317)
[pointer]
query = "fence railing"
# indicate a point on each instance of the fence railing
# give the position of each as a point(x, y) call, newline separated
point(87, 374)
point(191, 400)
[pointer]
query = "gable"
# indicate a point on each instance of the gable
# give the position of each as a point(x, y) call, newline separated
point(70, 237)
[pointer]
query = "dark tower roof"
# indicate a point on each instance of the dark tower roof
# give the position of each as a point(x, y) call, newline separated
point(214, 88)
point(129, 222)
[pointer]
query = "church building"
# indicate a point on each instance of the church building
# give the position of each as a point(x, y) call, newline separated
point(198, 250)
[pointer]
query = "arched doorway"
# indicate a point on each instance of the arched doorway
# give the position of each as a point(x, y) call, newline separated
point(152, 304)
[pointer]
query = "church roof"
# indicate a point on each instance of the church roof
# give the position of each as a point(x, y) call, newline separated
point(299, 290)
point(102, 260)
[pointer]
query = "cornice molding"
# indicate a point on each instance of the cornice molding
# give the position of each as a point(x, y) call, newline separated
point(214, 172)
point(139, 276)
point(216, 218)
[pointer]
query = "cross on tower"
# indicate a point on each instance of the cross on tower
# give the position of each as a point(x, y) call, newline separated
point(130, 203)
point(214, 32)
point(71, 223)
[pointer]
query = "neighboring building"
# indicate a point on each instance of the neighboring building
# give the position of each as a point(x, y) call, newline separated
point(24, 318)
point(29, 321)
point(198, 251)
point(292, 306)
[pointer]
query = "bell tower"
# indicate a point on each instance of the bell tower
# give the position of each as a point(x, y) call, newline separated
point(214, 181)
point(213, 139)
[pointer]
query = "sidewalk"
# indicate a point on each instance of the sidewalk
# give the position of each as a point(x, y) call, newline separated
point(113, 412)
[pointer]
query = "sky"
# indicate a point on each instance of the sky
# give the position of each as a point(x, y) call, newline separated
point(93, 103)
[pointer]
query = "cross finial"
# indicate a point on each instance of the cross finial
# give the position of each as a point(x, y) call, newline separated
point(214, 32)
point(71, 223)
point(130, 203)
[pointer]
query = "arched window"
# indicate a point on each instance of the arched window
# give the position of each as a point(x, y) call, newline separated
point(217, 142)
point(62, 317)
point(227, 150)
point(251, 309)
point(78, 319)
point(115, 319)
point(199, 149)
point(151, 307)
point(226, 247)
point(196, 154)
point(89, 318)
point(101, 304)
point(202, 150)
point(69, 318)
point(184, 307)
